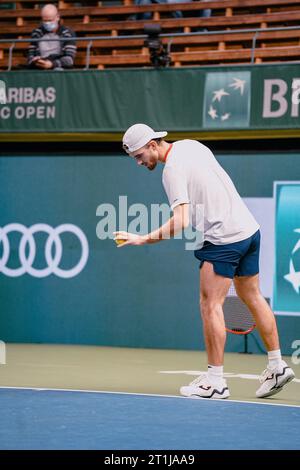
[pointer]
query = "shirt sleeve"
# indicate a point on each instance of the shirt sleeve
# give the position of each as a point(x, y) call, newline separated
point(174, 182)
point(66, 60)
point(33, 49)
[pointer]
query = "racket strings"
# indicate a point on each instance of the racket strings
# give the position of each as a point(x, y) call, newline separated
point(236, 315)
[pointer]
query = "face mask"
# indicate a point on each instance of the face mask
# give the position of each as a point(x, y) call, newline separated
point(50, 26)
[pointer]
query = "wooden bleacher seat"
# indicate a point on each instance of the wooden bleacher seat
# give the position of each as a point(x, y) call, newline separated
point(204, 49)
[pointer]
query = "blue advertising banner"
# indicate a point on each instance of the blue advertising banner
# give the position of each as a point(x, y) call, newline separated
point(286, 293)
point(63, 280)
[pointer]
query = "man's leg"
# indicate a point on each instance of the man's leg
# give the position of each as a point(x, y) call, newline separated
point(247, 289)
point(213, 290)
point(206, 13)
point(277, 373)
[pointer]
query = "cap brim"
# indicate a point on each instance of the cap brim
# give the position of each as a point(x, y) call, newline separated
point(158, 135)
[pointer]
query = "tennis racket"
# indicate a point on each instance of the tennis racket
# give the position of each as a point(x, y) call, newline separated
point(238, 318)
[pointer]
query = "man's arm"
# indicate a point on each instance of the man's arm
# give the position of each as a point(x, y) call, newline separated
point(176, 223)
point(66, 60)
point(33, 49)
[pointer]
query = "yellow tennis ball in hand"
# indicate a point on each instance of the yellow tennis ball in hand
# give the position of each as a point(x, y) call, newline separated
point(120, 241)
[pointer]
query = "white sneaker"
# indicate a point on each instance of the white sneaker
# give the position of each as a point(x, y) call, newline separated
point(203, 388)
point(272, 380)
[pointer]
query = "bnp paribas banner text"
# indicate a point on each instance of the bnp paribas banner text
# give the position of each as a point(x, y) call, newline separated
point(194, 99)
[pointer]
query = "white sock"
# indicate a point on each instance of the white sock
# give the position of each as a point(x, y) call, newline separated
point(215, 373)
point(274, 358)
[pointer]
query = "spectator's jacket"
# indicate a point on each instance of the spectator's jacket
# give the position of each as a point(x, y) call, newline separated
point(68, 47)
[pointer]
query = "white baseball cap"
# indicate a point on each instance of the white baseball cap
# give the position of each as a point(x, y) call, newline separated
point(139, 135)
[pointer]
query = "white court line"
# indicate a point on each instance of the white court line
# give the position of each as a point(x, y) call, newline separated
point(227, 375)
point(144, 395)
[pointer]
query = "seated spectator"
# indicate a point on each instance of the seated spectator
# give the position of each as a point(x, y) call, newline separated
point(176, 14)
point(46, 54)
point(202, 13)
point(205, 13)
point(148, 15)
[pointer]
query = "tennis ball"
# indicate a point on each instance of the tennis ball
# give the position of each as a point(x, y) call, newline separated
point(120, 241)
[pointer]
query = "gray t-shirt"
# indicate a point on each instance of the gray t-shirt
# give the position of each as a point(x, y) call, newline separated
point(192, 175)
point(50, 48)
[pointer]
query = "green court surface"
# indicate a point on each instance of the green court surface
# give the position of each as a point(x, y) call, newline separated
point(145, 371)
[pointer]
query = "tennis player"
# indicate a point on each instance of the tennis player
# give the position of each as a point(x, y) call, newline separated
point(193, 177)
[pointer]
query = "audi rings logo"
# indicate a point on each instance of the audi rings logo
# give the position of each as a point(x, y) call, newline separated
point(27, 257)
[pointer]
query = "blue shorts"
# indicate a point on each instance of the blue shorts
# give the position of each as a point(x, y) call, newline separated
point(234, 259)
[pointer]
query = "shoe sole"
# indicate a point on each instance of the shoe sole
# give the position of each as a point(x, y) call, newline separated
point(214, 396)
point(199, 397)
point(279, 388)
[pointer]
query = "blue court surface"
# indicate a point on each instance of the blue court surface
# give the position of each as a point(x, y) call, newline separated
point(59, 419)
